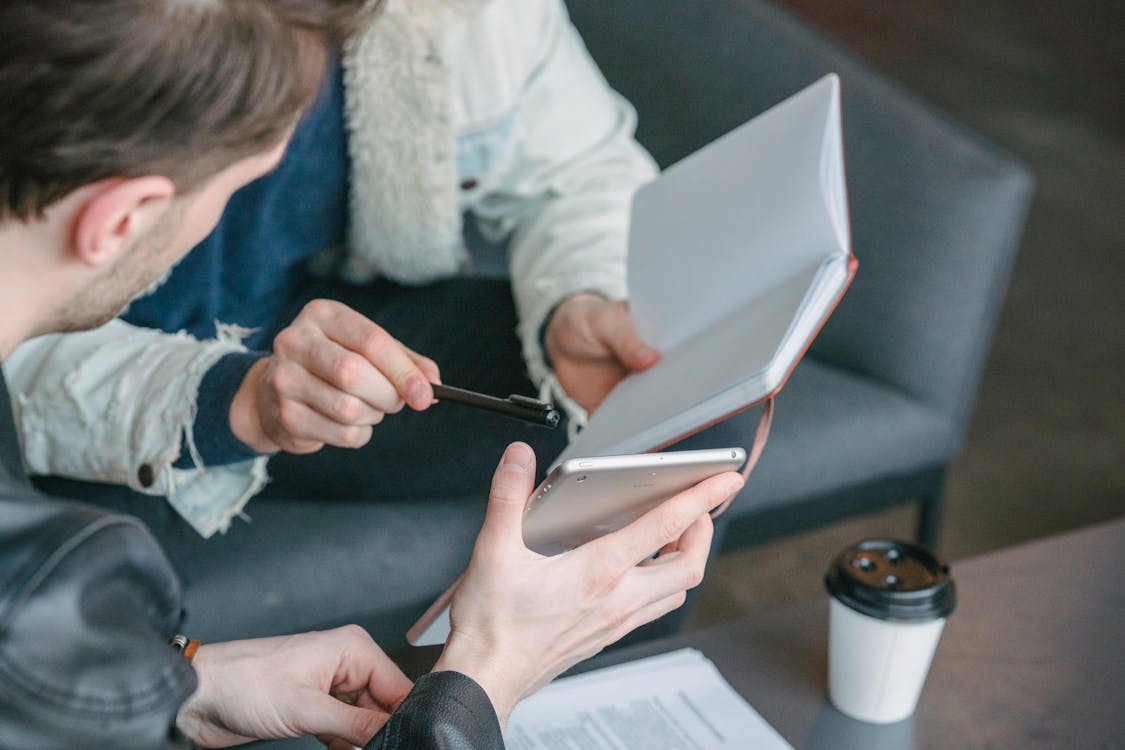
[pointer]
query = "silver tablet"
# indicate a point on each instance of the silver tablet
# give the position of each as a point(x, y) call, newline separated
point(584, 498)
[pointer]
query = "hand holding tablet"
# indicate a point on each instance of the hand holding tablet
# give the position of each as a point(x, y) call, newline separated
point(520, 618)
point(586, 498)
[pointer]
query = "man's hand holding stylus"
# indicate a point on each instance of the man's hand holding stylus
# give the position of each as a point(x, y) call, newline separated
point(332, 376)
point(519, 618)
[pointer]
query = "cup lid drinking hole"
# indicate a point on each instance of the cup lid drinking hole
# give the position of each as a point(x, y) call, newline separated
point(892, 580)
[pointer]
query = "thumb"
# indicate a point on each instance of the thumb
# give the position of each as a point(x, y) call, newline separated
point(339, 720)
point(619, 333)
point(511, 486)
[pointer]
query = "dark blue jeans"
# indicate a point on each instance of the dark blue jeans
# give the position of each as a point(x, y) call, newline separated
point(467, 326)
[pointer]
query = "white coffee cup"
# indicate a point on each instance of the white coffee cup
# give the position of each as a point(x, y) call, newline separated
point(889, 603)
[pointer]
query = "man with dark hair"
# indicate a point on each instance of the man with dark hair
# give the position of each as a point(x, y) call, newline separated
point(126, 125)
point(344, 266)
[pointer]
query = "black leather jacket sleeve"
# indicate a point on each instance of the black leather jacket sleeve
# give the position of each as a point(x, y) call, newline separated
point(444, 711)
point(87, 601)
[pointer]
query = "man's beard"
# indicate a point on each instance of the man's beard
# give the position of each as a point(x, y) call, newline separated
point(135, 271)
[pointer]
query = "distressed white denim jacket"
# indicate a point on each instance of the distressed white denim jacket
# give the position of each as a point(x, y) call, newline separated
point(492, 107)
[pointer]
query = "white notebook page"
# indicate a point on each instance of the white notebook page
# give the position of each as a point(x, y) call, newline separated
point(738, 217)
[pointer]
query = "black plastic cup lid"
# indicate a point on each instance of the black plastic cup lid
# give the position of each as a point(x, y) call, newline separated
point(892, 580)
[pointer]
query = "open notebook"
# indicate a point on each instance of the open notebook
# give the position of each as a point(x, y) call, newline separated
point(737, 256)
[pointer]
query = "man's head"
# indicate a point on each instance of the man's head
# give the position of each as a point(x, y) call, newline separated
point(125, 125)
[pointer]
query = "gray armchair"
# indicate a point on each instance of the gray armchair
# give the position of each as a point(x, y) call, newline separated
point(870, 418)
point(880, 406)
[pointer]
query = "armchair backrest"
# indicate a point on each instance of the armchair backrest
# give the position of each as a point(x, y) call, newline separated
point(936, 211)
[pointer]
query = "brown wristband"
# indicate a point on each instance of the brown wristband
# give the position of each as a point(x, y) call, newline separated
point(187, 647)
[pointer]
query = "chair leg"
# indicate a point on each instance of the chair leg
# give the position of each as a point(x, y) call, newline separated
point(930, 508)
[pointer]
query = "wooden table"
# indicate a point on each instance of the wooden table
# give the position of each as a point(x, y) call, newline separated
point(1033, 657)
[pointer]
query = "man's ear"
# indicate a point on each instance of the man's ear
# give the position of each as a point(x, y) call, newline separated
point(115, 214)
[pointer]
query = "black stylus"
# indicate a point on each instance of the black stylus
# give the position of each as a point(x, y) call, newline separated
point(520, 407)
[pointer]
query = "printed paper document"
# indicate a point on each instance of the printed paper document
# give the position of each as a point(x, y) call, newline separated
point(675, 701)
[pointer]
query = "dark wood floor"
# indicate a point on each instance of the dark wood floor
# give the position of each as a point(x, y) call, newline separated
point(1046, 451)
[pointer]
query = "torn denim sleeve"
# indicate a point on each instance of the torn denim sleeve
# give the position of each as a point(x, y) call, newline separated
point(118, 404)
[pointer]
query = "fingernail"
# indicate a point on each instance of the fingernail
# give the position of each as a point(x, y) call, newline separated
point(415, 389)
point(734, 485)
point(645, 353)
point(518, 457)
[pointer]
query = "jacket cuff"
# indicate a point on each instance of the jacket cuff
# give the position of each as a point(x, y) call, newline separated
point(536, 312)
point(209, 499)
point(215, 443)
point(444, 711)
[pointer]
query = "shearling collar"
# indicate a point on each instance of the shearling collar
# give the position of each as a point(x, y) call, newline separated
point(405, 206)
